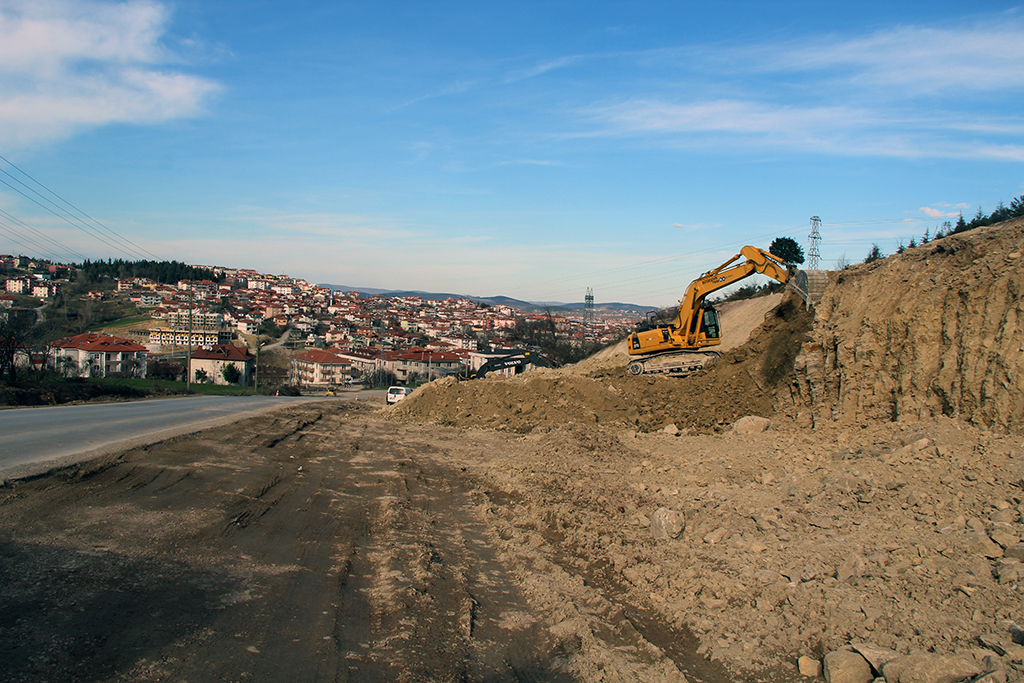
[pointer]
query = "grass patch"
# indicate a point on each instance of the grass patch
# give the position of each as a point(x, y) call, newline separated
point(123, 322)
point(43, 391)
point(162, 387)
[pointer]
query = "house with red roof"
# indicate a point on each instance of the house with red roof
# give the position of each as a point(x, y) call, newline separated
point(422, 364)
point(98, 355)
point(209, 363)
point(320, 368)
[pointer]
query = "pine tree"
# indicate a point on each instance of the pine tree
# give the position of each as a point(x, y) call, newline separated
point(874, 255)
point(961, 225)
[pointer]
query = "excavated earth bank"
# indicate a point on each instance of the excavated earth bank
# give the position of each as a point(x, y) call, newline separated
point(881, 508)
point(935, 331)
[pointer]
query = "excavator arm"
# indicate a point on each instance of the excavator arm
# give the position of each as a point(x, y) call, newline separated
point(696, 326)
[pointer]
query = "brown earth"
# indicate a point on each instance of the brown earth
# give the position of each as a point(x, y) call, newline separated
point(935, 331)
point(521, 528)
point(599, 391)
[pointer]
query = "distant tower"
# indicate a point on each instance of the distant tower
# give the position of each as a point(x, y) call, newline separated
point(813, 252)
point(588, 313)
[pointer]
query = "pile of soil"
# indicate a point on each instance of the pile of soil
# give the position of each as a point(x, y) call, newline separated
point(742, 382)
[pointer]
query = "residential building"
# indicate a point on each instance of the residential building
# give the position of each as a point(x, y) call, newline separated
point(98, 355)
point(211, 361)
point(418, 364)
point(317, 367)
point(17, 285)
point(181, 337)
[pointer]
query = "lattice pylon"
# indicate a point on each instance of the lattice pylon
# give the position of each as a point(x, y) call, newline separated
point(813, 251)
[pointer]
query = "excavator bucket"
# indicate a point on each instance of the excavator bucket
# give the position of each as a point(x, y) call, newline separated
point(810, 285)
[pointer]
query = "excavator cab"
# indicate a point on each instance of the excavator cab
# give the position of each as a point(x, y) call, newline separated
point(709, 324)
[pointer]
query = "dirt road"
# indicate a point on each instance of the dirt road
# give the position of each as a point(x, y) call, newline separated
point(303, 547)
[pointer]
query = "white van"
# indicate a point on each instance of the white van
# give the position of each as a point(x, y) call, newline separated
point(396, 394)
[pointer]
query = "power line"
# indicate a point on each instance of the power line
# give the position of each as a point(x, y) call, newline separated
point(25, 226)
point(84, 229)
point(132, 249)
point(13, 237)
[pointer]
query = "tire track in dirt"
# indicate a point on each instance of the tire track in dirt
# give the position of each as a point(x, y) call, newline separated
point(302, 547)
point(425, 571)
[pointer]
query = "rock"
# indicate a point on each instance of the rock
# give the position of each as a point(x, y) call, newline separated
point(670, 429)
point(1003, 537)
point(876, 656)
point(852, 567)
point(1009, 571)
point(716, 536)
point(666, 524)
point(992, 677)
point(809, 667)
point(1015, 551)
point(979, 543)
point(926, 667)
point(1005, 516)
point(751, 424)
point(847, 666)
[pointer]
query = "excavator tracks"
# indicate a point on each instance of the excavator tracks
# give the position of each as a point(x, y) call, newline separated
point(673, 363)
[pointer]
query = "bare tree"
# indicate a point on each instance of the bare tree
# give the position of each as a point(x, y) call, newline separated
point(15, 331)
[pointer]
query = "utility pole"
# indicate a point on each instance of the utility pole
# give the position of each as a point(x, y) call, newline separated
point(188, 341)
point(256, 373)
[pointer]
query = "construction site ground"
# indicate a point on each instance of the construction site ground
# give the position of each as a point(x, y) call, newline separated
point(581, 523)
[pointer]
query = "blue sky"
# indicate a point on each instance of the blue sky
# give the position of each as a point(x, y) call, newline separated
point(527, 149)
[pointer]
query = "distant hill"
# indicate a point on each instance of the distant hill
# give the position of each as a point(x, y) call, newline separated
point(528, 306)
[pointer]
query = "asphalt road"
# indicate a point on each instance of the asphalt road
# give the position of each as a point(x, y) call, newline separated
point(35, 440)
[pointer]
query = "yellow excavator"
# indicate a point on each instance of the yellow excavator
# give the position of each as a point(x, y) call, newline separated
point(682, 347)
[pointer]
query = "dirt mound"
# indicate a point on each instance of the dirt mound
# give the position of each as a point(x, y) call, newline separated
point(935, 331)
point(938, 330)
point(739, 320)
point(599, 391)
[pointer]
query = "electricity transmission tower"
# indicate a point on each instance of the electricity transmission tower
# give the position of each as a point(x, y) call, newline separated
point(813, 252)
point(588, 313)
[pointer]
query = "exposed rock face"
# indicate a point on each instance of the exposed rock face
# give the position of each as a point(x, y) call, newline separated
point(938, 330)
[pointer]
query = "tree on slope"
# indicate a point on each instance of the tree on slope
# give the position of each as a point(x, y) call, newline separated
point(787, 249)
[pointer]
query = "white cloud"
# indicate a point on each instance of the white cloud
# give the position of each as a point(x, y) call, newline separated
point(916, 59)
point(937, 213)
point(71, 64)
point(731, 116)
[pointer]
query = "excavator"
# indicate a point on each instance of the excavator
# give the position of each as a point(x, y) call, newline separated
point(518, 360)
point(681, 347)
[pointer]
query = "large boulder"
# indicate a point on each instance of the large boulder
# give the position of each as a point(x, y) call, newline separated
point(927, 667)
point(666, 524)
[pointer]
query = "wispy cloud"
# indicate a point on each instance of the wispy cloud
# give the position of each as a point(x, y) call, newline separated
point(859, 95)
point(838, 129)
point(543, 67)
point(70, 64)
point(317, 226)
point(530, 162)
point(915, 59)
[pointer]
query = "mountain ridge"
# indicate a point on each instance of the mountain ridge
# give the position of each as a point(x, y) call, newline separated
point(489, 300)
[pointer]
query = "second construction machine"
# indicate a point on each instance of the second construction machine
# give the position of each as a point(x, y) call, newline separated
point(685, 345)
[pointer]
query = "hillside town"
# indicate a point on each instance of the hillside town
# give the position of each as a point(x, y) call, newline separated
point(330, 338)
